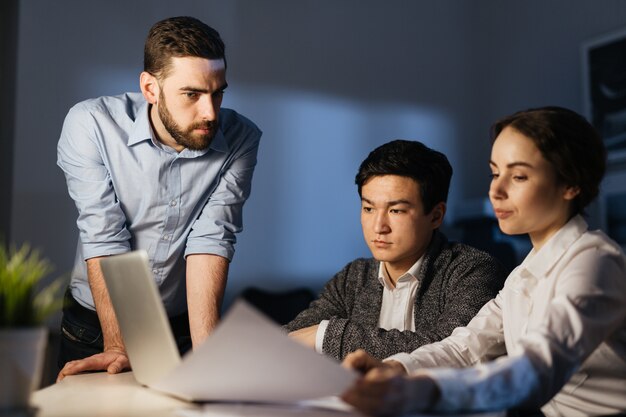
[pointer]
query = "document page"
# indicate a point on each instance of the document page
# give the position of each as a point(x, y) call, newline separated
point(248, 358)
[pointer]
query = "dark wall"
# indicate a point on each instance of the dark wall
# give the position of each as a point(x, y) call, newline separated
point(8, 58)
point(326, 81)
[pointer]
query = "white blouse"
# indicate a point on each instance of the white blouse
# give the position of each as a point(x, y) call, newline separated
point(558, 329)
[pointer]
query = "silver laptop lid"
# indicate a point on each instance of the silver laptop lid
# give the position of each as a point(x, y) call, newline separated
point(143, 322)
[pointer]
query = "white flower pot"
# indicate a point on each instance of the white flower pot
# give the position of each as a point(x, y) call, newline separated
point(21, 363)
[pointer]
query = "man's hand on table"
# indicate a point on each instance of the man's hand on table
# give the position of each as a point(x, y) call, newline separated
point(112, 361)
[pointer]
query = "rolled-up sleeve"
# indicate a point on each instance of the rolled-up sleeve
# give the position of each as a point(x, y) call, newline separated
point(101, 221)
point(221, 218)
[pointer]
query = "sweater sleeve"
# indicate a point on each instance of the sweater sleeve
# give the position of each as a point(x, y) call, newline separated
point(462, 283)
point(330, 303)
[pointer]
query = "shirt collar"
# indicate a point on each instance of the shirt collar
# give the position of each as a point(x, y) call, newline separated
point(412, 273)
point(540, 263)
point(142, 131)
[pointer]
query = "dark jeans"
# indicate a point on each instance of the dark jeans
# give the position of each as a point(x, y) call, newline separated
point(81, 334)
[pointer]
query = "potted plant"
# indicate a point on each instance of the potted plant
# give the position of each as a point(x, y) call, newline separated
point(25, 302)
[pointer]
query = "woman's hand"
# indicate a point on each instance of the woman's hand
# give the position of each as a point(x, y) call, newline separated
point(387, 391)
point(363, 362)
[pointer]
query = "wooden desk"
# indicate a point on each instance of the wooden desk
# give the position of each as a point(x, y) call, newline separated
point(103, 395)
point(100, 394)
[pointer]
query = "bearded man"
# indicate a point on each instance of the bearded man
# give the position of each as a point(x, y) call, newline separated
point(166, 170)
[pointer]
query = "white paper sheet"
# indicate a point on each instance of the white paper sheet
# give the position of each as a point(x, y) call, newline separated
point(249, 358)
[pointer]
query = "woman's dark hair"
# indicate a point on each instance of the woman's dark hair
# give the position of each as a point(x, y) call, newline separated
point(568, 142)
point(181, 36)
point(429, 168)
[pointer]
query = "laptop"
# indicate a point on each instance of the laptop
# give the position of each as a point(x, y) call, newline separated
point(141, 315)
point(247, 358)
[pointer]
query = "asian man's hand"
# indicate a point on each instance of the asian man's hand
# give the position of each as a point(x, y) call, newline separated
point(306, 335)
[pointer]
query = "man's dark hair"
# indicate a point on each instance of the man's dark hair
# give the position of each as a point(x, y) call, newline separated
point(568, 142)
point(181, 36)
point(429, 168)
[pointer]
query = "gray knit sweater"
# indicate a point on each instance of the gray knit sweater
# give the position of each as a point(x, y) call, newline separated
point(456, 280)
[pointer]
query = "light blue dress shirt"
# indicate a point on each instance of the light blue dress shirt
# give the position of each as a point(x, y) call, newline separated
point(132, 192)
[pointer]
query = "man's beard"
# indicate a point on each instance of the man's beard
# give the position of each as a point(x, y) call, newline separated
point(186, 137)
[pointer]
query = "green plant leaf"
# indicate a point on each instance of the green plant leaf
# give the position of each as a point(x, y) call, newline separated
point(22, 304)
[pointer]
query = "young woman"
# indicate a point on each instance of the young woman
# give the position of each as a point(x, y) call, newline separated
point(555, 336)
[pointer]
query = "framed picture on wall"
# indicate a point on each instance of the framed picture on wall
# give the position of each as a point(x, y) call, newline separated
point(613, 207)
point(604, 77)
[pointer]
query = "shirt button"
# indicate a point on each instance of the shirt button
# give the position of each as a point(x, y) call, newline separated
point(167, 237)
point(172, 203)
